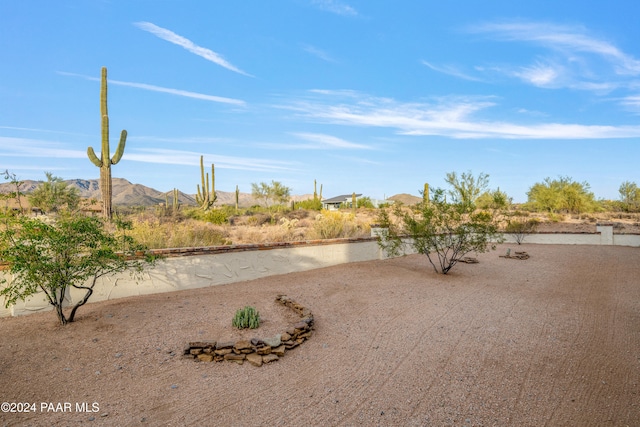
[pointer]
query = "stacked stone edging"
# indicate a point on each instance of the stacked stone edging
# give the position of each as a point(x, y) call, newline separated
point(256, 351)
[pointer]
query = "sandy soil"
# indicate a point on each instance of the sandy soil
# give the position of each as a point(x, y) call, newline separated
point(553, 340)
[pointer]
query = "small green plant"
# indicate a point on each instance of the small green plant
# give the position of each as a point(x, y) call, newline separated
point(519, 228)
point(247, 317)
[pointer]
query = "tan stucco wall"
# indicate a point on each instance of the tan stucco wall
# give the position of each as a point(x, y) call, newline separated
point(196, 271)
point(200, 267)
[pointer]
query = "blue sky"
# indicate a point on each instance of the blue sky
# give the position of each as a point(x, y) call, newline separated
point(374, 97)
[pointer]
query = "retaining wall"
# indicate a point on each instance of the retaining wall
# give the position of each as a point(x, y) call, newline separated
point(190, 268)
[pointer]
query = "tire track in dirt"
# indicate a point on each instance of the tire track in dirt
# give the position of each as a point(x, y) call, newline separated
point(595, 370)
point(387, 364)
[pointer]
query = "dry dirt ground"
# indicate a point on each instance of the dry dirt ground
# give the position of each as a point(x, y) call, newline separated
point(553, 340)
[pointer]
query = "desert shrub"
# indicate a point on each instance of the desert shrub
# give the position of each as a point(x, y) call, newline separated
point(365, 202)
point(555, 217)
point(54, 256)
point(259, 219)
point(444, 232)
point(189, 233)
point(247, 317)
point(298, 214)
point(333, 225)
point(519, 228)
point(216, 216)
point(561, 195)
point(311, 204)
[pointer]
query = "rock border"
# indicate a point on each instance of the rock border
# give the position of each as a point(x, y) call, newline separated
point(256, 351)
point(518, 255)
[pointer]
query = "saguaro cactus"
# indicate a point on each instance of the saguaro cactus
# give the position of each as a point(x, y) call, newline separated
point(425, 193)
point(105, 162)
point(207, 196)
point(237, 198)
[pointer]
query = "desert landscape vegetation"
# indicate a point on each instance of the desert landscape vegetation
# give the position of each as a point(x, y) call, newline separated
point(550, 339)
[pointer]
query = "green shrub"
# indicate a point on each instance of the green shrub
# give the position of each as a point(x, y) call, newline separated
point(553, 217)
point(156, 234)
point(246, 317)
point(335, 224)
point(311, 204)
point(216, 216)
point(519, 228)
point(365, 202)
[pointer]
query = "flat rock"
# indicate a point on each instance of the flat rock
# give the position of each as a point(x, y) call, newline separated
point(205, 357)
point(268, 358)
point(202, 344)
point(273, 342)
point(227, 344)
point(279, 351)
point(242, 345)
point(254, 359)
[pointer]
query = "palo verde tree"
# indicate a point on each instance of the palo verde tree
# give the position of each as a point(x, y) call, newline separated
point(72, 251)
point(272, 193)
point(54, 194)
point(629, 196)
point(444, 232)
point(561, 195)
point(467, 188)
point(105, 161)
point(15, 193)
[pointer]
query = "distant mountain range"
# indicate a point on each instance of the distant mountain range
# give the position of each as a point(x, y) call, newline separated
point(127, 194)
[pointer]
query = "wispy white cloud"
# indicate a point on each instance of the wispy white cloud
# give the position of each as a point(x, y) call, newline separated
point(448, 117)
point(328, 141)
point(318, 53)
point(187, 44)
point(562, 38)
point(178, 157)
point(539, 74)
point(631, 103)
point(451, 70)
point(335, 6)
point(575, 59)
point(154, 88)
point(27, 147)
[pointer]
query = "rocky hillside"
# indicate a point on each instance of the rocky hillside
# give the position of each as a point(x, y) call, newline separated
point(127, 194)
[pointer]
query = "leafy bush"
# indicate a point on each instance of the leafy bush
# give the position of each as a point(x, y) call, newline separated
point(561, 195)
point(70, 251)
point(444, 232)
point(259, 219)
point(311, 204)
point(246, 317)
point(156, 234)
point(365, 202)
point(334, 224)
point(216, 216)
point(520, 227)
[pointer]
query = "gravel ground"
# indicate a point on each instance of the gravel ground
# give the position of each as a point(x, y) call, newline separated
point(552, 340)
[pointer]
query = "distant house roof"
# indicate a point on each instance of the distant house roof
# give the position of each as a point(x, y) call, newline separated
point(340, 199)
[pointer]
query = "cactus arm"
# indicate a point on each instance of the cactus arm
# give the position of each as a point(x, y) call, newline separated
point(120, 150)
point(94, 159)
point(214, 195)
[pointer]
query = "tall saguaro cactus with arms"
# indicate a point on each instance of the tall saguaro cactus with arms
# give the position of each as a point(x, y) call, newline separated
point(207, 196)
point(105, 161)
